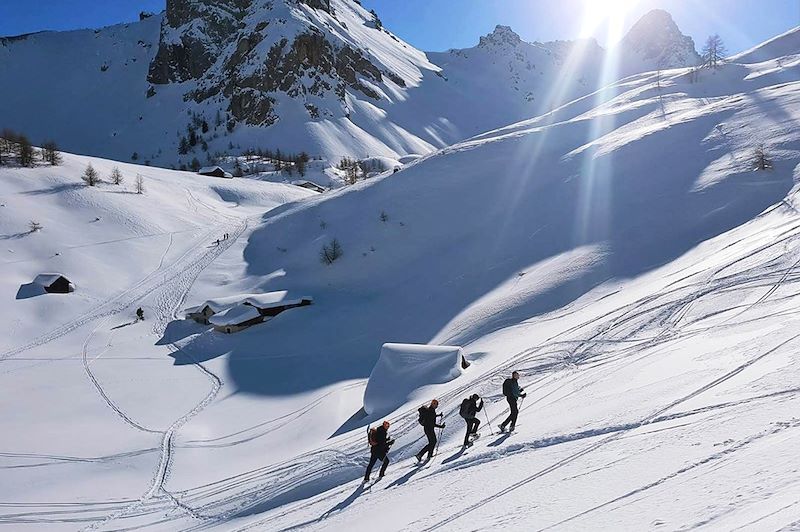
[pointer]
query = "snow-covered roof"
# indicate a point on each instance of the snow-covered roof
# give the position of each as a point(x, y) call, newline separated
point(217, 305)
point(235, 315)
point(275, 299)
point(307, 183)
point(46, 279)
point(263, 301)
point(403, 369)
point(212, 169)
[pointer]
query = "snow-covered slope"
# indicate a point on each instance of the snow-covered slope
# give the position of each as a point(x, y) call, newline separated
point(621, 252)
point(86, 89)
point(784, 45)
point(206, 79)
point(123, 251)
point(503, 80)
point(625, 256)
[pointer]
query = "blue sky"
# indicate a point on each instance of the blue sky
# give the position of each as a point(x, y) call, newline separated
point(441, 24)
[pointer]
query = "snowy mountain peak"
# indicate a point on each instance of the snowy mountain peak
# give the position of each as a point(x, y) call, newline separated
point(655, 41)
point(248, 55)
point(501, 36)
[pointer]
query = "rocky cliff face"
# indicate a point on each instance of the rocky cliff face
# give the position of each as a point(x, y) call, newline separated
point(248, 52)
point(193, 34)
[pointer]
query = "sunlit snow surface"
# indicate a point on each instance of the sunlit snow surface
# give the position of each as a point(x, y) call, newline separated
point(620, 252)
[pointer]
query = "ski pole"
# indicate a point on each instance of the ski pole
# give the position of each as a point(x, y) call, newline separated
point(488, 423)
point(438, 441)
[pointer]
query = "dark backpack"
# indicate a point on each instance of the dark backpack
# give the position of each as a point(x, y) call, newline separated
point(507, 387)
point(422, 411)
point(464, 410)
point(371, 437)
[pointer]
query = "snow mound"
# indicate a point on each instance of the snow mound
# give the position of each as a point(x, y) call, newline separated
point(402, 369)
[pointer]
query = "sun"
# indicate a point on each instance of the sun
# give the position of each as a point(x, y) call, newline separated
point(606, 15)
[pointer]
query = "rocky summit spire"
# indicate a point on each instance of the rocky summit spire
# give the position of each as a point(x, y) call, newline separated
point(657, 42)
point(501, 36)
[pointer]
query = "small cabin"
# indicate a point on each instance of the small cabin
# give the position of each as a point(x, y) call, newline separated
point(236, 319)
point(203, 312)
point(310, 185)
point(215, 171)
point(216, 311)
point(200, 314)
point(54, 283)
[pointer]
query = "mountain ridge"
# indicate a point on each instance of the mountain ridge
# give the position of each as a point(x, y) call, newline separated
point(322, 77)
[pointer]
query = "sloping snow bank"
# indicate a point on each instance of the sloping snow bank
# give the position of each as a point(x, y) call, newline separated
point(404, 368)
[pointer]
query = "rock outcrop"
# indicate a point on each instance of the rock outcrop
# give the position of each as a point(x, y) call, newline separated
point(252, 51)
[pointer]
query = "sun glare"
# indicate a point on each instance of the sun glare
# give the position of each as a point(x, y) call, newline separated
point(610, 13)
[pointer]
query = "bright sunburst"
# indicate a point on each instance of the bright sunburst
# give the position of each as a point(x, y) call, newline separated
point(610, 13)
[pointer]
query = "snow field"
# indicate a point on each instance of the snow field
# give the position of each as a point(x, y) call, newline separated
point(620, 252)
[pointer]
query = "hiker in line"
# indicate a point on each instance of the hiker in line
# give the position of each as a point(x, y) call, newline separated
point(512, 391)
point(427, 418)
point(379, 443)
point(469, 411)
point(139, 314)
point(216, 242)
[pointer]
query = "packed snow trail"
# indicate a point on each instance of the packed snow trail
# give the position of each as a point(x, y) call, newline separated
point(170, 297)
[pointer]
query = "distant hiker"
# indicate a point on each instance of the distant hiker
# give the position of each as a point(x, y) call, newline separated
point(139, 314)
point(216, 242)
point(379, 443)
point(469, 411)
point(512, 391)
point(427, 418)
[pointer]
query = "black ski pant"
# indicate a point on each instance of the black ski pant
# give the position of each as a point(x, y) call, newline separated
point(512, 418)
point(376, 455)
point(431, 434)
point(472, 428)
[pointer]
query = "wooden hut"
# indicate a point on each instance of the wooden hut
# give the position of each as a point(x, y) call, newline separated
point(54, 283)
point(309, 185)
point(215, 171)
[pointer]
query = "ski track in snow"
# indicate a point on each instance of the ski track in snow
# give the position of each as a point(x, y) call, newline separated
point(775, 429)
point(265, 483)
point(172, 294)
point(156, 280)
point(559, 367)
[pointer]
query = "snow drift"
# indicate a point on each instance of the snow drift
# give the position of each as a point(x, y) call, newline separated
point(402, 369)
